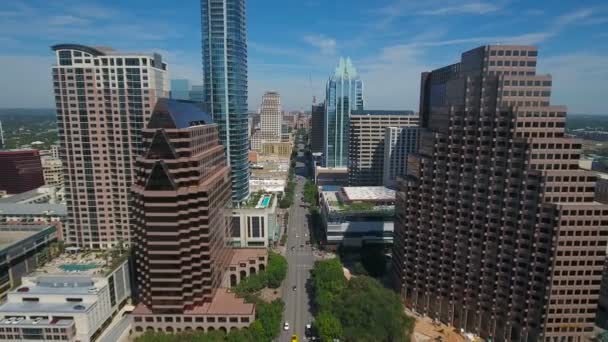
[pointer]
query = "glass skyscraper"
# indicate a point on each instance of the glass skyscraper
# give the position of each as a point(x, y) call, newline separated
point(224, 40)
point(180, 89)
point(344, 93)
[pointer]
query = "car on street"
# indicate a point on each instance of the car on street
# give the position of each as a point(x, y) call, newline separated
point(294, 338)
point(293, 288)
point(286, 326)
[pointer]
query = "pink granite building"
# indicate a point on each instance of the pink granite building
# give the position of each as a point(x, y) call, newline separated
point(497, 231)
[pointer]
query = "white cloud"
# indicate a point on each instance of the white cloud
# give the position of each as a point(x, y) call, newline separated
point(326, 45)
point(467, 8)
point(64, 20)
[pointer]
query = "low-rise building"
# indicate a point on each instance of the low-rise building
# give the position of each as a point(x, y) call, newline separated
point(244, 263)
point(255, 224)
point(21, 249)
point(68, 304)
point(52, 170)
point(354, 216)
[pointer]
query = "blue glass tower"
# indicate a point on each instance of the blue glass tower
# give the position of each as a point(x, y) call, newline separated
point(344, 94)
point(224, 39)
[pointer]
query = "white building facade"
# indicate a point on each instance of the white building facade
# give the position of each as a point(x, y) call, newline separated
point(64, 307)
point(399, 142)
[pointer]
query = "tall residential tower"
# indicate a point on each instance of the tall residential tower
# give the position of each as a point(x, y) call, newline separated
point(344, 93)
point(497, 231)
point(224, 40)
point(104, 98)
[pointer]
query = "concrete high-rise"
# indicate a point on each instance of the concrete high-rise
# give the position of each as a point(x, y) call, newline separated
point(271, 116)
point(399, 143)
point(182, 222)
point(104, 98)
point(317, 128)
point(20, 171)
point(366, 143)
point(224, 40)
point(344, 94)
point(497, 229)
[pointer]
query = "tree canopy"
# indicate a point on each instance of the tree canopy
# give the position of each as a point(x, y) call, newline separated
point(357, 310)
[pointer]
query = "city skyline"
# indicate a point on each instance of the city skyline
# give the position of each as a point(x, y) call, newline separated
point(389, 44)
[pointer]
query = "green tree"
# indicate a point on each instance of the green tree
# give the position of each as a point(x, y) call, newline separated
point(603, 337)
point(328, 326)
point(276, 270)
point(368, 311)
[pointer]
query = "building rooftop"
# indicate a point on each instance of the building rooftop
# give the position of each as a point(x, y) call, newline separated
point(243, 254)
point(32, 209)
point(362, 193)
point(224, 302)
point(383, 112)
point(12, 234)
point(24, 196)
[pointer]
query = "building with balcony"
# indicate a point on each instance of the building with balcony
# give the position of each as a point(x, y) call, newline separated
point(399, 143)
point(103, 98)
point(224, 41)
point(355, 216)
point(52, 170)
point(497, 231)
point(65, 306)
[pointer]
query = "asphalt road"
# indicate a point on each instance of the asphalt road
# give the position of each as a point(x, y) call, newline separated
point(298, 302)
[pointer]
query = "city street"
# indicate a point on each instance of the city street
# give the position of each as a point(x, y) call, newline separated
point(298, 310)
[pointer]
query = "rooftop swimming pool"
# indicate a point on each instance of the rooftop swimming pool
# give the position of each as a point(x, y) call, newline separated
point(264, 201)
point(77, 267)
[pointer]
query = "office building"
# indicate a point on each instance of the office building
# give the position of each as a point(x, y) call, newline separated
point(366, 146)
point(52, 170)
point(182, 224)
point(497, 229)
point(103, 98)
point(224, 40)
point(344, 94)
point(355, 216)
point(20, 171)
point(271, 116)
point(21, 248)
point(196, 94)
point(180, 89)
point(59, 305)
point(317, 128)
point(399, 143)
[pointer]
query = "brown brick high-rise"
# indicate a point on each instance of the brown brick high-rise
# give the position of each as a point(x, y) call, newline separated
point(497, 231)
point(181, 197)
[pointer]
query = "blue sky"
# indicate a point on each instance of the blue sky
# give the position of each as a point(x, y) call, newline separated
point(294, 45)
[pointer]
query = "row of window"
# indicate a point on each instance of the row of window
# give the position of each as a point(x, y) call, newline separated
point(529, 53)
point(513, 63)
point(528, 93)
point(186, 319)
